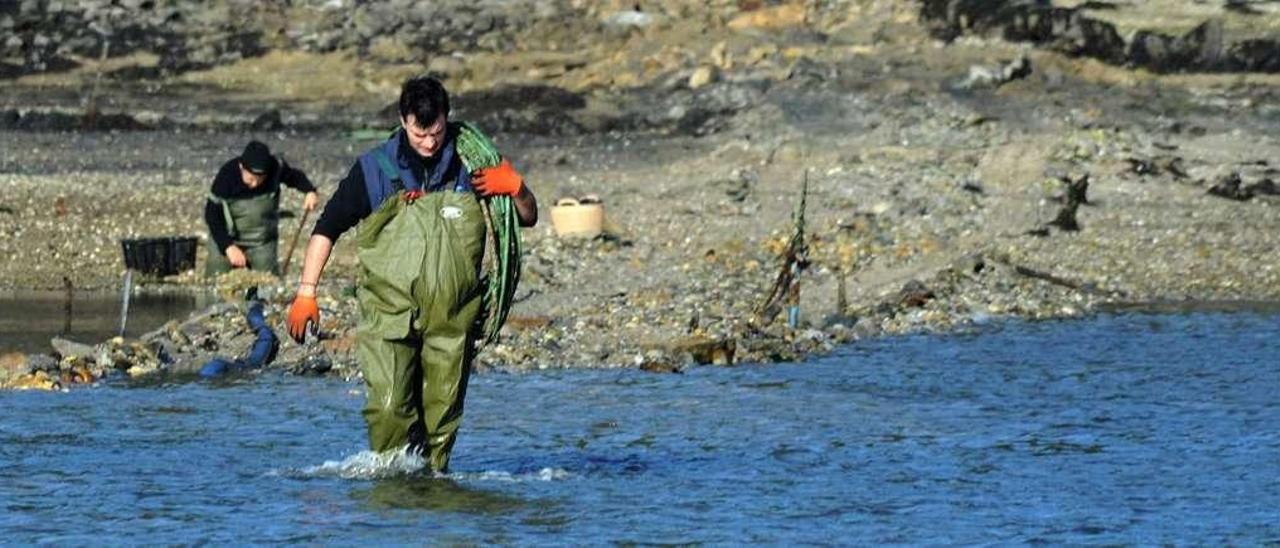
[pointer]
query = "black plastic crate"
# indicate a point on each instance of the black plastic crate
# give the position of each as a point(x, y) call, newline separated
point(160, 256)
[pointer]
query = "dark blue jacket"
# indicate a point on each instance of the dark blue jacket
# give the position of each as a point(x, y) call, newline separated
point(386, 169)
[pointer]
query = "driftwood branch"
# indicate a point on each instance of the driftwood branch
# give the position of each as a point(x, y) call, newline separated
point(1085, 287)
point(1077, 191)
point(1055, 280)
point(197, 316)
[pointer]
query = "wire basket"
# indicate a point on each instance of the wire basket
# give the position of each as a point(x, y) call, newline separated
point(165, 256)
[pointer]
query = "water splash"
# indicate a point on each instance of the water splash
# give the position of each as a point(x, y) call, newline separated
point(367, 465)
point(545, 474)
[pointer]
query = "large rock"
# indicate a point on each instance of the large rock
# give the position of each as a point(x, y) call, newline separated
point(12, 365)
point(39, 380)
point(771, 18)
point(1071, 30)
point(69, 349)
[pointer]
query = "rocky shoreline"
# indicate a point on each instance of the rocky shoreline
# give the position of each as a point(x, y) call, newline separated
point(938, 175)
point(1236, 37)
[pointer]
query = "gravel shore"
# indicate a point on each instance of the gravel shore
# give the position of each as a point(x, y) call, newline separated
point(935, 170)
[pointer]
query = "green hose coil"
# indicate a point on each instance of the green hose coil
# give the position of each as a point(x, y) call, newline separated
point(477, 151)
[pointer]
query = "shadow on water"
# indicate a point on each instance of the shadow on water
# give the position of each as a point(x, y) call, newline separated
point(436, 495)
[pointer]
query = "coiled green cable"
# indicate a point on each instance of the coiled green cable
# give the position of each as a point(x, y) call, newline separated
point(477, 151)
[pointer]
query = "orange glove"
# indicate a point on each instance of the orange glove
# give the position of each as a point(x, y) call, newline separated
point(501, 179)
point(304, 310)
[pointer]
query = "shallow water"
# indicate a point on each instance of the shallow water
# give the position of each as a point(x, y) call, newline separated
point(28, 319)
point(1131, 428)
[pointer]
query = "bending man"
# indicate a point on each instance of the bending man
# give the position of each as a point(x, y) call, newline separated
point(243, 210)
point(420, 242)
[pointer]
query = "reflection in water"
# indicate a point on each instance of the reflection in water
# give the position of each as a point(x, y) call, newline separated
point(28, 319)
point(435, 494)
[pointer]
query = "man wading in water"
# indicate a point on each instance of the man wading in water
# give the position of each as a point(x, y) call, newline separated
point(420, 242)
point(242, 211)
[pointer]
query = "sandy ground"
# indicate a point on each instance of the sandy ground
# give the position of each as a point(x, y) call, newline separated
point(911, 180)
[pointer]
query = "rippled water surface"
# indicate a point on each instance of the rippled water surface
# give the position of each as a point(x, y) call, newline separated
point(1129, 428)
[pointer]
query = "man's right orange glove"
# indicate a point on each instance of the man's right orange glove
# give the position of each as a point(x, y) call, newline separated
point(304, 310)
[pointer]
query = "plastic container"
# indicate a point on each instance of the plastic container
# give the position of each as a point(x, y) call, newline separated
point(160, 256)
point(573, 218)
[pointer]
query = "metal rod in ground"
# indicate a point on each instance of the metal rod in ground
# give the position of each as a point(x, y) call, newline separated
point(66, 305)
point(793, 293)
point(124, 299)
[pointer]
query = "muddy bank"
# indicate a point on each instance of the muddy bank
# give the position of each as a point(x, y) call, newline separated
point(932, 205)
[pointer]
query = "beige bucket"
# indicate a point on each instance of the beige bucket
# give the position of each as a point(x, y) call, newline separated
point(573, 218)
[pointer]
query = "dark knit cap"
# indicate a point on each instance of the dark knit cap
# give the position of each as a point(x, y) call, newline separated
point(257, 158)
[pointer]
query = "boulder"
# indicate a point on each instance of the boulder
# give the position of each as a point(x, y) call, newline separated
point(1071, 30)
point(12, 365)
point(39, 380)
point(69, 349)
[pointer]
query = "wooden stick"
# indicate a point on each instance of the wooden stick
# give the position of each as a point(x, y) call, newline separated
point(288, 255)
point(1064, 282)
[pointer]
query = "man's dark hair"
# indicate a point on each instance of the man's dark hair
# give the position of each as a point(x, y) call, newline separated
point(425, 98)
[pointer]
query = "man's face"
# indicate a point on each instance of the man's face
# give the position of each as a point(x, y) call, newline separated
point(251, 179)
point(425, 140)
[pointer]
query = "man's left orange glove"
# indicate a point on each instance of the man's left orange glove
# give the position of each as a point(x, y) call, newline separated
point(304, 310)
point(501, 179)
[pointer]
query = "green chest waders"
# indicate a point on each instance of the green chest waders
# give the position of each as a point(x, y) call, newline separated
point(254, 225)
point(419, 295)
